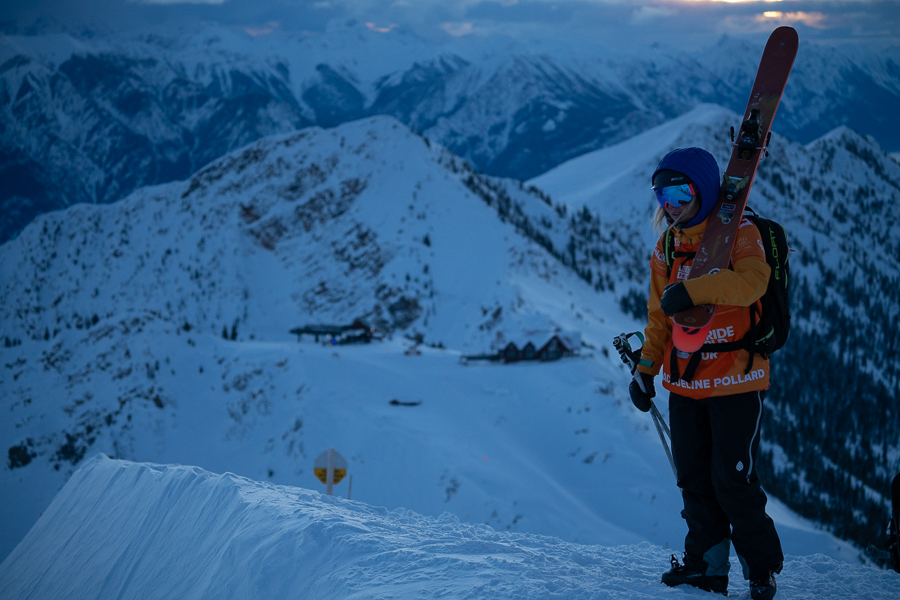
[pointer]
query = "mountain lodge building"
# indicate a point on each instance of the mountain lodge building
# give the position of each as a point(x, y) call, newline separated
point(359, 331)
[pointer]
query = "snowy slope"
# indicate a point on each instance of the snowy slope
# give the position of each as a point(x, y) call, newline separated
point(614, 182)
point(127, 530)
point(113, 318)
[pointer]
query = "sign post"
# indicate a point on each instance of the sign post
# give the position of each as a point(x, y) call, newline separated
point(330, 468)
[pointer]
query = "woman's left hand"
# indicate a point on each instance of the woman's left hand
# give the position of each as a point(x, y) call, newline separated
point(675, 298)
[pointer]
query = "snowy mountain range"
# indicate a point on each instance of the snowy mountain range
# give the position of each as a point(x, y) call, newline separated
point(126, 112)
point(129, 530)
point(157, 329)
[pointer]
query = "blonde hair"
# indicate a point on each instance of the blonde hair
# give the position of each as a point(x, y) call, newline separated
point(661, 220)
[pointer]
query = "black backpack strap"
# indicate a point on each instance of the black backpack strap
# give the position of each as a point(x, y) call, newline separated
point(668, 252)
point(674, 375)
point(690, 369)
point(751, 337)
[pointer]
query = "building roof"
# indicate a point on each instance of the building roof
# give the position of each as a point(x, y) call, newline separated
point(570, 339)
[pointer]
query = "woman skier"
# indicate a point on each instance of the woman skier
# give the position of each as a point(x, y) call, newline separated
point(716, 399)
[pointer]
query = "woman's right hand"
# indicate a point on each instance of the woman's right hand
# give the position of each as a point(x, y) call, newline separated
point(642, 390)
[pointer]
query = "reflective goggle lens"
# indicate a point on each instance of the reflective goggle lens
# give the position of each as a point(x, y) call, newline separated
point(676, 195)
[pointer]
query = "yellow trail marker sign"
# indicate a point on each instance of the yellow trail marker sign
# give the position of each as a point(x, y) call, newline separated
point(330, 468)
point(322, 474)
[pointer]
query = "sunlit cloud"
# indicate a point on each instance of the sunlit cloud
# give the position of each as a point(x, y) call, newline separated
point(816, 20)
point(457, 29)
point(685, 24)
point(379, 29)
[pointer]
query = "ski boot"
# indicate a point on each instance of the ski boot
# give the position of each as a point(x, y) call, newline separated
point(894, 546)
point(763, 588)
point(895, 555)
point(891, 554)
point(681, 574)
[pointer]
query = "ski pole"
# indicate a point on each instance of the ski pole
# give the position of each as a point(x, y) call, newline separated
point(631, 358)
point(655, 412)
point(660, 427)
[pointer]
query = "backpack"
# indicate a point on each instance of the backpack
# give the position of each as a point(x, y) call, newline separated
point(776, 316)
point(771, 332)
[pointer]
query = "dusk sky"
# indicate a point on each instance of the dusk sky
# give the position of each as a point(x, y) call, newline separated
point(615, 23)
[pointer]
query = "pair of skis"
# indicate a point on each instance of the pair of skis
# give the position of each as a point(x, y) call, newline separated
point(691, 327)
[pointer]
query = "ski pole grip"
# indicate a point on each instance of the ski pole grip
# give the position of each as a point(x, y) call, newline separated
point(629, 356)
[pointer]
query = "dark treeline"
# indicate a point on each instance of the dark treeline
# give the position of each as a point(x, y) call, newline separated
point(833, 411)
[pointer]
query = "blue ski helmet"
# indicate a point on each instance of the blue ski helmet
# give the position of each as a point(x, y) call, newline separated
point(702, 169)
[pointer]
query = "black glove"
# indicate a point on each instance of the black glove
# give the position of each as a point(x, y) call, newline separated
point(641, 397)
point(675, 299)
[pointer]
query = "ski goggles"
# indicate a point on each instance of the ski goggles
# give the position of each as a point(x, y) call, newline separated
point(676, 195)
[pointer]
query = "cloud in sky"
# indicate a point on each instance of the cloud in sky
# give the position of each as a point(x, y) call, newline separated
point(381, 29)
point(266, 29)
point(650, 13)
point(457, 29)
point(677, 23)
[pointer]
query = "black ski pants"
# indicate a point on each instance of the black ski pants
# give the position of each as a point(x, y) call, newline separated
point(714, 444)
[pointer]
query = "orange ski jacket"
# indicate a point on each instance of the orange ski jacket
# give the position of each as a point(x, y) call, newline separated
point(734, 291)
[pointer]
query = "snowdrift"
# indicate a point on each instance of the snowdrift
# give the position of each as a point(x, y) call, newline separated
point(129, 530)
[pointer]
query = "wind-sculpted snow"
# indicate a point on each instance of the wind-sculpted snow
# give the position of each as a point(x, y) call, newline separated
point(129, 530)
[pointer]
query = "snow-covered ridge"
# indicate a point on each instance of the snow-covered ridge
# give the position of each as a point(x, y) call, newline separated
point(129, 530)
point(364, 220)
